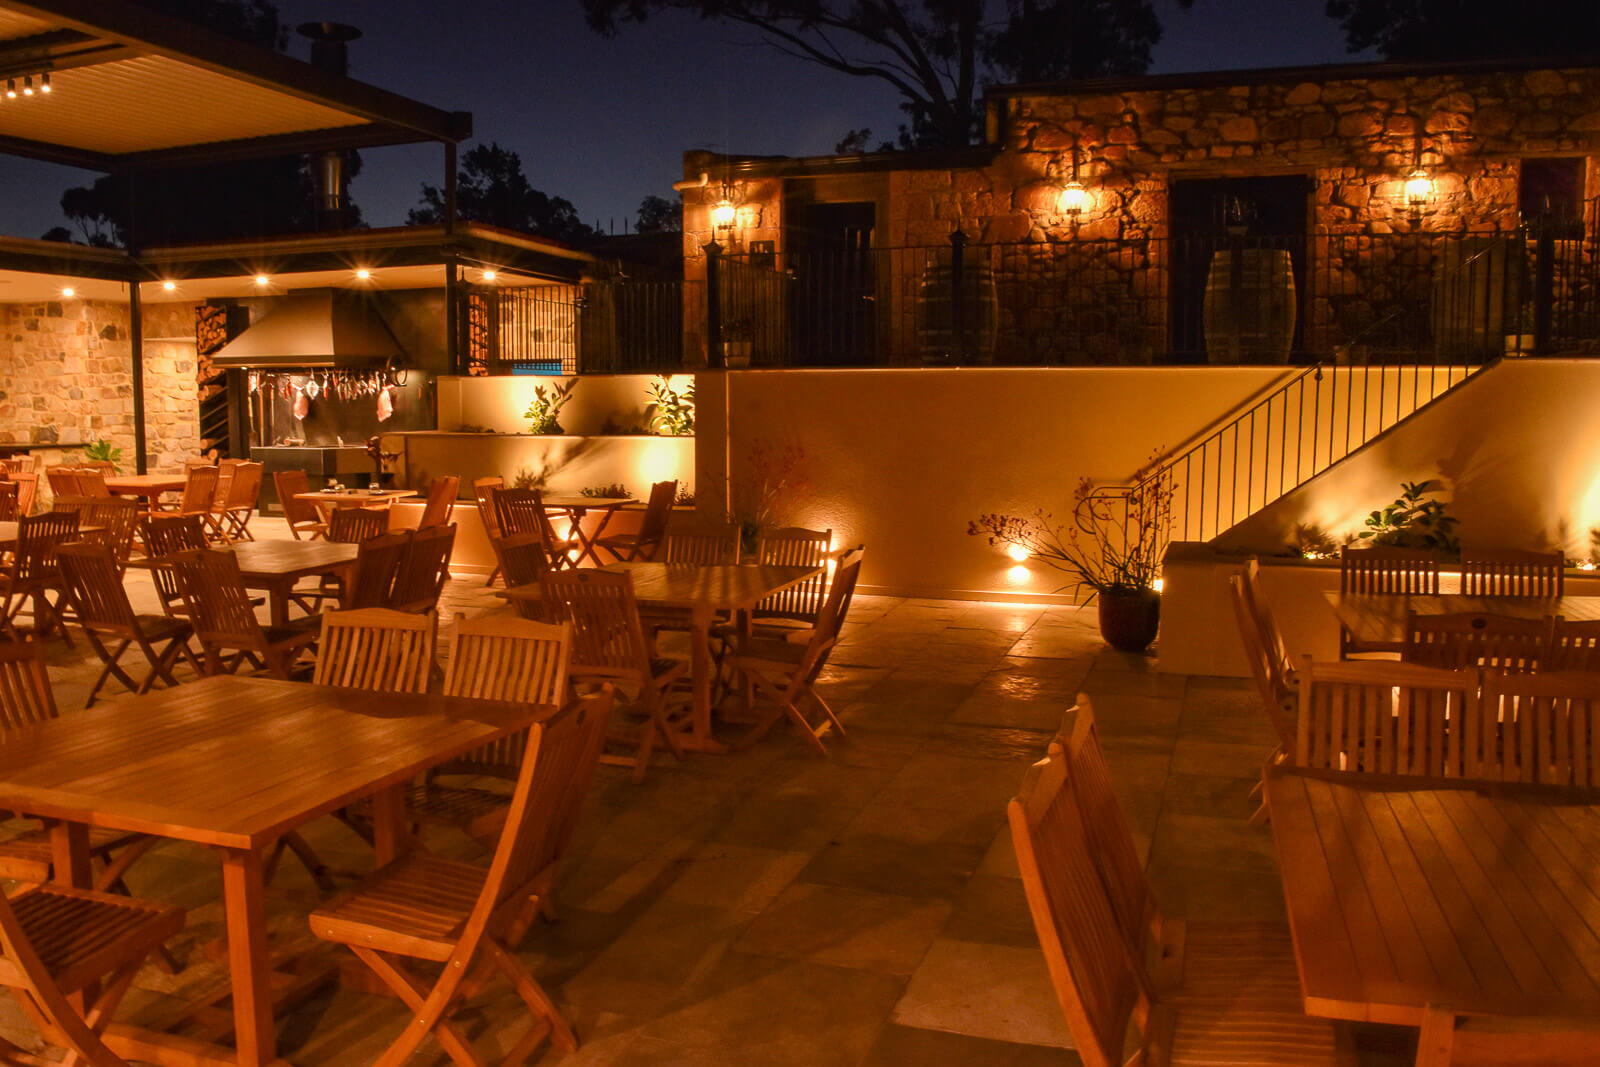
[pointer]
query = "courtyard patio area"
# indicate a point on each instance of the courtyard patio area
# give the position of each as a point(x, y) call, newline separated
point(773, 907)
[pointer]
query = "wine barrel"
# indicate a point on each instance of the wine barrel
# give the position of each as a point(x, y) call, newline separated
point(1249, 309)
point(980, 306)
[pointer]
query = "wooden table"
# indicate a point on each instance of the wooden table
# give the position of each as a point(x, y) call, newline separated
point(147, 486)
point(702, 591)
point(1374, 619)
point(327, 500)
point(574, 506)
point(1401, 897)
point(275, 567)
point(234, 764)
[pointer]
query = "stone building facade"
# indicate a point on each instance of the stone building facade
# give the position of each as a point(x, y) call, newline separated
point(69, 378)
point(1330, 148)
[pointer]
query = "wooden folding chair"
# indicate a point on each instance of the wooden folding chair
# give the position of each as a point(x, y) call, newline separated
point(26, 698)
point(441, 502)
point(786, 673)
point(424, 569)
point(796, 607)
point(483, 490)
point(1574, 646)
point(91, 581)
point(224, 618)
point(493, 658)
point(377, 649)
point(117, 520)
point(164, 536)
point(1382, 717)
point(199, 493)
point(1239, 1002)
point(10, 493)
point(522, 511)
point(239, 501)
point(27, 491)
point(423, 907)
point(608, 645)
point(652, 528)
point(1477, 639)
point(378, 560)
point(32, 574)
point(523, 559)
point(301, 515)
point(351, 526)
point(1268, 662)
point(63, 481)
point(1512, 572)
point(1384, 571)
point(1541, 728)
point(92, 482)
point(708, 545)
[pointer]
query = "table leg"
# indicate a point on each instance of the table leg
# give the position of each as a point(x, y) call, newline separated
point(278, 602)
point(244, 906)
point(700, 738)
point(69, 855)
point(591, 545)
point(389, 837)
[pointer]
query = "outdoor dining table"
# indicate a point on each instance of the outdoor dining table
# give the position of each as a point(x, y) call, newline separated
point(575, 506)
point(274, 567)
point(148, 487)
point(703, 590)
point(1402, 896)
point(234, 764)
point(1377, 619)
point(327, 500)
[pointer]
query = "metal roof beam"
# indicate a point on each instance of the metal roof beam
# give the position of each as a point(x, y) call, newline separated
point(286, 144)
point(56, 153)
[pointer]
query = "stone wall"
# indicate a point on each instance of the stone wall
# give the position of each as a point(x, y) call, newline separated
point(68, 378)
point(1094, 288)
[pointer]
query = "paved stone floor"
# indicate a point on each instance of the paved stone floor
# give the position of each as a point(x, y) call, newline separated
point(772, 907)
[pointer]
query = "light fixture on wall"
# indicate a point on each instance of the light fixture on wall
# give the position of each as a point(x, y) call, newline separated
point(1418, 189)
point(724, 214)
point(263, 280)
point(68, 292)
point(1073, 198)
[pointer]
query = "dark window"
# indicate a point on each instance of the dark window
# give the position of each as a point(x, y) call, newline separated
point(1551, 191)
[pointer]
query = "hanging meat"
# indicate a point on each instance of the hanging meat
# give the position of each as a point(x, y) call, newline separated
point(385, 404)
point(302, 405)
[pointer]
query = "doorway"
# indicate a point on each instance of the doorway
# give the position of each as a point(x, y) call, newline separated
point(1210, 215)
point(835, 296)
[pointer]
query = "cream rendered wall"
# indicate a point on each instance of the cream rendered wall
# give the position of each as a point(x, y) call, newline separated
point(1517, 448)
point(498, 402)
point(902, 459)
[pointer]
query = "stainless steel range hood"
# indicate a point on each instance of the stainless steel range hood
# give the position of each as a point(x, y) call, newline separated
point(319, 328)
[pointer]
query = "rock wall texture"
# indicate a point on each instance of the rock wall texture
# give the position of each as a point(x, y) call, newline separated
point(1097, 287)
point(68, 377)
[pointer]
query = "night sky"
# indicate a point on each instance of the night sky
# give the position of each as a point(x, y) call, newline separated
point(605, 122)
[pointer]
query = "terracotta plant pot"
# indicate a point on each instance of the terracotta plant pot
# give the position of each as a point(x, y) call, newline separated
point(1129, 619)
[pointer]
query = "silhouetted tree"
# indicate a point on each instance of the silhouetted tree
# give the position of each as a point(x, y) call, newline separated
point(491, 188)
point(934, 52)
point(657, 214)
point(1467, 29)
point(217, 202)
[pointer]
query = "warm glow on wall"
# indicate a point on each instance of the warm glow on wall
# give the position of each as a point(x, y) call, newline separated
point(1074, 199)
point(1418, 189)
point(724, 214)
point(1018, 552)
point(169, 285)
point(1159, 584)
point(1018, 575)
point(68, 292)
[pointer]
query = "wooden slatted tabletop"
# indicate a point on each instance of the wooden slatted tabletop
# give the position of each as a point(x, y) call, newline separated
point(145, 485)
point(1401, 897)
point(234, 763)
point(1374, 619)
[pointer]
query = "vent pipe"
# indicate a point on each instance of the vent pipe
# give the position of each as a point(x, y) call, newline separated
point(330, 52)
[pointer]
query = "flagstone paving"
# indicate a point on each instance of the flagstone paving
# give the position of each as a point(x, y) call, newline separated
point(772, 907)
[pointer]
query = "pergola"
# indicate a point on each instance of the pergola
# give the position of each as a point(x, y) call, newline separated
point(133, 91)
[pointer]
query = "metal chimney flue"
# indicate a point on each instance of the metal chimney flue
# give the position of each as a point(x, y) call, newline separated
point(330, 52)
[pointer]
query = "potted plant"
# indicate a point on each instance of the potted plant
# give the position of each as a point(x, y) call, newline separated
point(103, 451)
point(674, 411)
point(544, 410)
point(737, 343)
point(1112, 544)
point(1414, 521)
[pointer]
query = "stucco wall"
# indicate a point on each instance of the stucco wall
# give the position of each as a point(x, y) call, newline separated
point(1517, 449)
point(600, 403)
point(901, 460)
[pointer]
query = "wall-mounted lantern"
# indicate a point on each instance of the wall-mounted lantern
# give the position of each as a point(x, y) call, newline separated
point(1419, 190)
point(723, 214)
point(1073, 198)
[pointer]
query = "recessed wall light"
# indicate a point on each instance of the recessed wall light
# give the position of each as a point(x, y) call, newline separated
point(169, 285)
point(262, 279)
point(68, 291)
point(363, 273)
point(488, 274)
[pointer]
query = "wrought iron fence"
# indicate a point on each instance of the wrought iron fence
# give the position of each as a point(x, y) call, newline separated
point(1351, 298)
point(610, 326)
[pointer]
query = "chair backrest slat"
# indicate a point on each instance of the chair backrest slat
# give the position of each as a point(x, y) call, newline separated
point(607, 635)
point(199, 489)
point(10, 493)
point(216, 599)
point(1277, 696)
point(1382, 717)
point(351, 526)
point(92, 482)
point(657, 511)
point(1475, 639)
point(117, 519)
point(706, 545)
point(92, 582)
point(164, 537)
point(441, 502)
point(63, 481)
point(1391, 571)
point(25, 693)
point(1549, 727)
point(524, 559)
point(483, 490)
point(376, 649)
point(1090, 964)
point(378, 561)
point(424, 569)
point(27, 491)
point(38, 536)
point(289, 485)
point(1574, 646)
point(244, 488)
point(496, 658)
point(1512, 572)
point(794, 546)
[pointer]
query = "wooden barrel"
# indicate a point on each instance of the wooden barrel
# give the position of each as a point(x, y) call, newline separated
point(980, 308)
point(1249, 308)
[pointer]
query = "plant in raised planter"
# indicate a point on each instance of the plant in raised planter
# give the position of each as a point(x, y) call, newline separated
point(1414, 521)
point(1310, 541)
point(773, 475)
point(544, 410)
point(103, 451)
point(615, 489)
point(674, 411)
point(1112, 544)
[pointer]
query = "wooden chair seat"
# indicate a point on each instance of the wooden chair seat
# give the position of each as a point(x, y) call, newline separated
point(415, 906)
point(80, 935)
point(1242, 1003)
point(477, 812)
